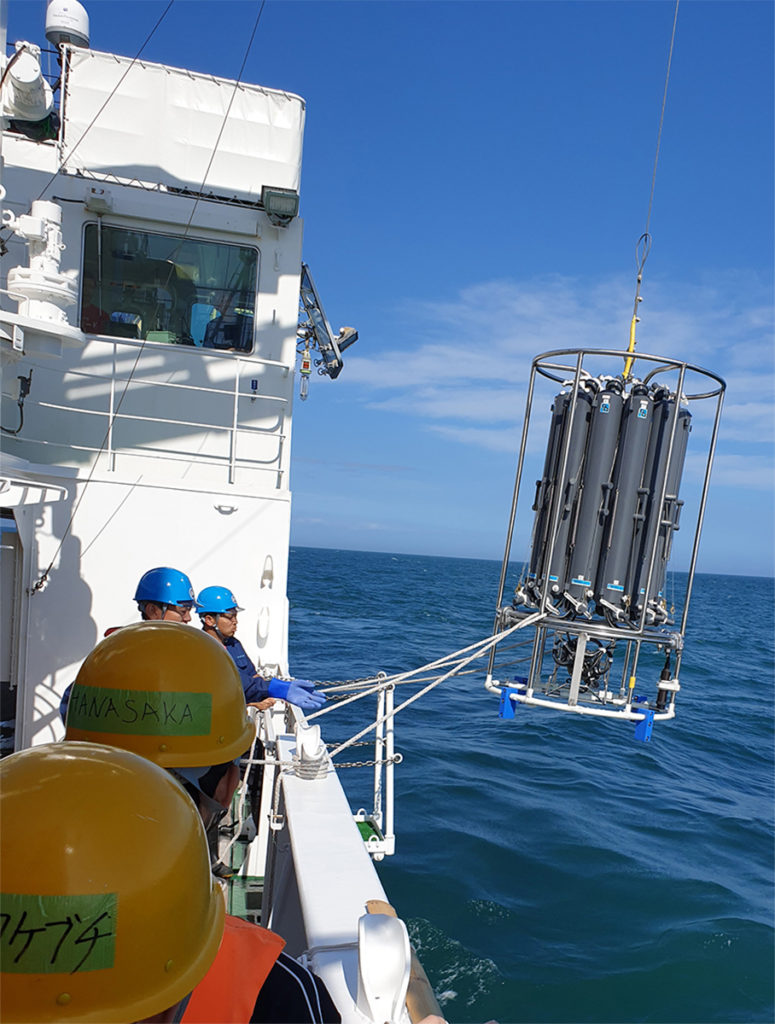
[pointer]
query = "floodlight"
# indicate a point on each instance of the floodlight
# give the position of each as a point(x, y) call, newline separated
point(281, 204)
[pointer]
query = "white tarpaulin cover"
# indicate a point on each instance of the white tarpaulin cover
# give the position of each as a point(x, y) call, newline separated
point(161, 126)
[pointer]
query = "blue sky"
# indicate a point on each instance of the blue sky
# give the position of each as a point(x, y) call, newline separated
point(476, 176)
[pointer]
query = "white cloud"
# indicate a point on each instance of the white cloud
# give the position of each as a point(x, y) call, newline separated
point(492, 331)
point(462, 366)
point(752, 422)
point(459, 403)
point(752, 472)
point(506, 440)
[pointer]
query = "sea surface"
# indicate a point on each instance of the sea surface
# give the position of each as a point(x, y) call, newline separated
point(552, 868)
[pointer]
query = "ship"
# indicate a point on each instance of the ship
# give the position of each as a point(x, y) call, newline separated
point(157, 320)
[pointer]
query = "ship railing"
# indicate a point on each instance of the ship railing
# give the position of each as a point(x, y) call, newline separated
point(292, 748)
point(377, 824)
point(232, 426)
point(52, 72)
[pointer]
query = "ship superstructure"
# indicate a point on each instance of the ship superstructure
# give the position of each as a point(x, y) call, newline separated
point(149, 342)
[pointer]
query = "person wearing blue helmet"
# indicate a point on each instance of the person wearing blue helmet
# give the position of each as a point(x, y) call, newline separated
point(165, 594)
point(218, 610)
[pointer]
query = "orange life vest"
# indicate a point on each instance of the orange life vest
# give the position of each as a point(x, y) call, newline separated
point(228, 992)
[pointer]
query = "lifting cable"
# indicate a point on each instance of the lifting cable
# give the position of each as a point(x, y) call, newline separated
point(42, 580)
point(643, 246)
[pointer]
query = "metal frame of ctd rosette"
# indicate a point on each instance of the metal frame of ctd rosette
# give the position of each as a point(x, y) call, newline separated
point(594, 589)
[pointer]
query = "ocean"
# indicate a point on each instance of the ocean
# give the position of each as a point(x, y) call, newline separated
point(552, 868)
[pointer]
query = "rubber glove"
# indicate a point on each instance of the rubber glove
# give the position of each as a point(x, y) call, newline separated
point(63, 705)
point(300, 692)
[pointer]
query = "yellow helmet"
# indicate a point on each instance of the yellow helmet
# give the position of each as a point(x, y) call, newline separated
point(163, 690)
point(110, 912)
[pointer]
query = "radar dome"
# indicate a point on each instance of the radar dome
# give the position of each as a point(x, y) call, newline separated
point(67, 22)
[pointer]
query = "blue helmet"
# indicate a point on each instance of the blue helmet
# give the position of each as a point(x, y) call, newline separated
point(212, 600)
point(165, 586)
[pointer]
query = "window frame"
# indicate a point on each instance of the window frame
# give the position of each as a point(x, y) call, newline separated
point(175, 239)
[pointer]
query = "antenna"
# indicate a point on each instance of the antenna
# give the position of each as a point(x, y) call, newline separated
point(67, 22)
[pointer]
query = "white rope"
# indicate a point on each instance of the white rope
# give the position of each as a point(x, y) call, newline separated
point(479, 649)
point(399, 678)
point(348, 700)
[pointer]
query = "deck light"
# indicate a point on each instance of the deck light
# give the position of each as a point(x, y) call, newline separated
point(281, 204)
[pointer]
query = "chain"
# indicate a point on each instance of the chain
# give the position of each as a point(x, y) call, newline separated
point(272, 761)
point(395, 759)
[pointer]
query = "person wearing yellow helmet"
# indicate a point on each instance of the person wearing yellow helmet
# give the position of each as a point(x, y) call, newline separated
point(174, 696)
point(109, 910)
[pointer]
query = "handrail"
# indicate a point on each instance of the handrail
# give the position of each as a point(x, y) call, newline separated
point(665, 363)
point(166, 455)
point(102, 378)
point(134, 343)
point(246, 428)
point(114, 386)
point(213, 353)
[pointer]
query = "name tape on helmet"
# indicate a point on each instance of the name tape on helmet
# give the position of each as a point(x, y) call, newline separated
point(140, 712)
point(57, 934)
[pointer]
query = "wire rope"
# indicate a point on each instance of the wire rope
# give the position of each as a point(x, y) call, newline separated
point(643, 246)
point(479, 649)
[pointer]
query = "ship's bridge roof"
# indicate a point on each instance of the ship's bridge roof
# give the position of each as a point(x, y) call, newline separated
point(160, 125)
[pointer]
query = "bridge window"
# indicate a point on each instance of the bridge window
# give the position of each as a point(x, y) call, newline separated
point(182, 291)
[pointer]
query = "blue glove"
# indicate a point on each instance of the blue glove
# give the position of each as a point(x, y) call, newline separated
point(300, 692)
point(64, 703)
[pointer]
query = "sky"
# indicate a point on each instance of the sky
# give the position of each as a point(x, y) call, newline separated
point(476, 177)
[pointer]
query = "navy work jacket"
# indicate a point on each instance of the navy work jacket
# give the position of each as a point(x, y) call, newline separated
point(256, 689)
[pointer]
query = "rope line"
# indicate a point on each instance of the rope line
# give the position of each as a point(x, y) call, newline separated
point(401, 677)
point(479, 650)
